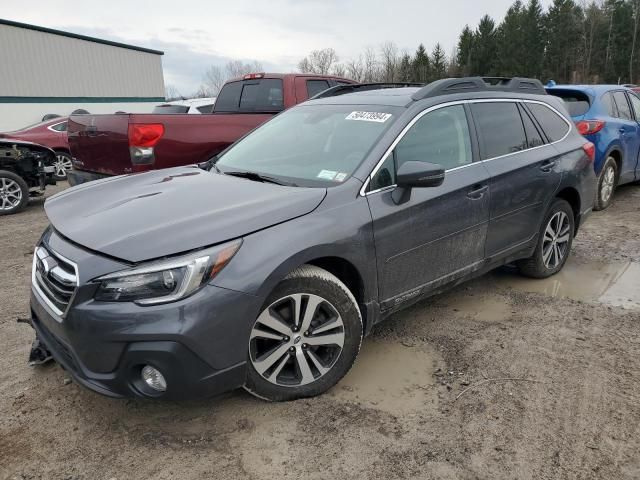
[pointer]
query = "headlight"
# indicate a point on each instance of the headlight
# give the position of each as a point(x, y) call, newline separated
point(167, 280)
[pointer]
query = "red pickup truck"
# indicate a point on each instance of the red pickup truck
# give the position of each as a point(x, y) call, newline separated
point(116, 144)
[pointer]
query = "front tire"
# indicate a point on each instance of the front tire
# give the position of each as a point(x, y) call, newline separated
point(554, 242)
point(607, 181)
point(306, 337)
point(14, 193)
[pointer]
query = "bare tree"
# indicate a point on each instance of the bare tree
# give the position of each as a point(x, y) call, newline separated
point(339, 70)
point(319, 61)
point(236, 68)
point(171, 93)
point(390, 61)
point(212, 81)
point(371, 66)
point(355, 69)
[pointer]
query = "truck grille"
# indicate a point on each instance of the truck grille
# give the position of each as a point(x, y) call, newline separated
point(55, 279)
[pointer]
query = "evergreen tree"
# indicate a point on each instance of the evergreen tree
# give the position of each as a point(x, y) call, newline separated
point(484, 54)
point(405, 71)
point(533, 36)
point(421, 67)
point(511, 42)
point(438, 63)
point(465, 48)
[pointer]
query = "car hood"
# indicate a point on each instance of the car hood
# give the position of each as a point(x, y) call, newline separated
point(164, 212)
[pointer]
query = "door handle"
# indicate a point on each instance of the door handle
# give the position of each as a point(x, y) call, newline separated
point(477, 192)
point(547, 166)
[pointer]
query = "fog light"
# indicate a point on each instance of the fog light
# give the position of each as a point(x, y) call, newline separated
point(154, 379)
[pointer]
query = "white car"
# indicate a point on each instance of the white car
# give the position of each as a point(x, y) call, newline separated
point(192, 105)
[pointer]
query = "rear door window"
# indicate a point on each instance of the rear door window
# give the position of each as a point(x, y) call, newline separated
point(554, 126)
point(534, 138)
point(500, 128)
point(624, 109)
point(263, 95)
point(314, 87)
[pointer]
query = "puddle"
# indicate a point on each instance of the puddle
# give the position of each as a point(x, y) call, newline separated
point(392, 377)
point(616, 284)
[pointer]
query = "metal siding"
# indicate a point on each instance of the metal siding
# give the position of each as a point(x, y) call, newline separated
point(34, 63)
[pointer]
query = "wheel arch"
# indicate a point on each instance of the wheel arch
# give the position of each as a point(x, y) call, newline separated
point(345, 269)
point(571, 196)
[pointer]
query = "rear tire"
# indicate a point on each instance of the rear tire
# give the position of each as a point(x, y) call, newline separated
point(62, 166)
point(306, 337)
point(554, 242)
point(14, 193)
point(607, 181)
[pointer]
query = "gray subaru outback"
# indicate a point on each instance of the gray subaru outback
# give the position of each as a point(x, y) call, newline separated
point(264, 268)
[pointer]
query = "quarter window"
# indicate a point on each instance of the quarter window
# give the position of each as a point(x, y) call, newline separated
point(623, 106)
point(610, 105)
point(500, 128)
point(385, 176)
point(554, 126)
point(60, 127)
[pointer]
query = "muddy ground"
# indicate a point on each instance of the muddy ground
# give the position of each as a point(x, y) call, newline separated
point(428, 398)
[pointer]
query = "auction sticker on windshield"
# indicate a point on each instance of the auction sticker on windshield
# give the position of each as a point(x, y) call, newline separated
point(327, 174)
point(378, 117)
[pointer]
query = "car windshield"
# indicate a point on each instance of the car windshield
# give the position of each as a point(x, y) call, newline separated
point(311, 145)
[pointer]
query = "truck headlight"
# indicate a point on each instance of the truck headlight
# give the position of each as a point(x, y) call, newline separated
point(167, 280)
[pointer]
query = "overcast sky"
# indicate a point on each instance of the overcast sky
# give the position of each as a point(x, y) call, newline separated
point(197, 33)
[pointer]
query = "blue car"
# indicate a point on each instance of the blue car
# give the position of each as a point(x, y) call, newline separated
point(609, 116)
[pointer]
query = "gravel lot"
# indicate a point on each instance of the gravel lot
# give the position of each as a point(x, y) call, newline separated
point(428, 398)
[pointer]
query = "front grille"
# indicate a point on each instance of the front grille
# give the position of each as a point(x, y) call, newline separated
point(55, 279)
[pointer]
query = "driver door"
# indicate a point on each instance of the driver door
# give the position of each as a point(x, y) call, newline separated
point(438, 234)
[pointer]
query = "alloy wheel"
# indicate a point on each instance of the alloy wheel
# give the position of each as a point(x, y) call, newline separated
point(608, 182)
point(556, 240)
point(296, 340)
point(62, 165)
point(10, 194)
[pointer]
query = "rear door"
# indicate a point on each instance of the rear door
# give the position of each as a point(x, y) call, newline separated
point(635, 104)
point(523, 173)
point(438, 233)
point(629, 136)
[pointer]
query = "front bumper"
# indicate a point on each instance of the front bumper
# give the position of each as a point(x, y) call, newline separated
point(199, 344)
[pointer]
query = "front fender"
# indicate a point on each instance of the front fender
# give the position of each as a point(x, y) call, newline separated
point(266, 257)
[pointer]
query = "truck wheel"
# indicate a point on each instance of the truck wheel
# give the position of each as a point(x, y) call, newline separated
point(554, 242)
point(14, 193)
point(306, 338)
point(606, 184)
point(63, 165)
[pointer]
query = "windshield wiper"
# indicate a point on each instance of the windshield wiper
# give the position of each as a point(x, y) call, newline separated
point(258, 177)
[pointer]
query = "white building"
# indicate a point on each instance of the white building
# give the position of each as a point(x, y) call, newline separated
point(44, 71)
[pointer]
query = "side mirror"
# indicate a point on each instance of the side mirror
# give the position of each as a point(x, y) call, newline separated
point(416, 175)
point(419, 174)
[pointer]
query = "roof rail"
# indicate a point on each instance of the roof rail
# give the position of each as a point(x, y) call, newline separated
point(448, 86)
point(362, 87)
